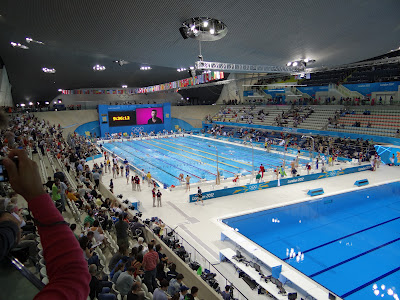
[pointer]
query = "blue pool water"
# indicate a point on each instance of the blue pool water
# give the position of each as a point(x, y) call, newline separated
point(349, 243)
point(166, 158)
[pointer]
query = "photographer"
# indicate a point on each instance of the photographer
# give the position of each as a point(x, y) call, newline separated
point(60, 247)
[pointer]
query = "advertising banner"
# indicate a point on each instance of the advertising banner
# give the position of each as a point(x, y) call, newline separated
point(274, 183)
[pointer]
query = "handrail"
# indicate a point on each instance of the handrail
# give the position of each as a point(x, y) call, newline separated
point(207, 264)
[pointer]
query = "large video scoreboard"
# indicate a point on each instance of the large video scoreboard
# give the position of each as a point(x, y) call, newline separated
point(134, 118)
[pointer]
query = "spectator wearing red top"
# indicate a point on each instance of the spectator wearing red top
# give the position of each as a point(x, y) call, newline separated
point(150, 261)
point(66, 268)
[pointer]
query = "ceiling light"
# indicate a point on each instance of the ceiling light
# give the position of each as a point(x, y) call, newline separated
point(121, 62)
point(295, 64)
point(47, 103)
point(191, 68)
point(306, 60)
point(124, 86)
point(55, 102)
point(289, 64)
point(60, 90)
point(30, 103)
point(98, 68)
point(197, 28)
point(145, 68)
point(22, 104)
point(18, 45)
point(48, 70)
point(30, 40)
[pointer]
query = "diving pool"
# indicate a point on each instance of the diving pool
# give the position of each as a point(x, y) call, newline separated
point(168, 157)
point(349, 243)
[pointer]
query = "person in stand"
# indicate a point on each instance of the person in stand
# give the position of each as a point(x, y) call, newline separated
point(199, 196)
point(226, 294)
point(150, 261)
point(60, 248)
point(193, 293)
point(153, 191)
point(159, 198)
point(187, 182)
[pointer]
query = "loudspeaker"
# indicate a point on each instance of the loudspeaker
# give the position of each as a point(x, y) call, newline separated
point(183, 32)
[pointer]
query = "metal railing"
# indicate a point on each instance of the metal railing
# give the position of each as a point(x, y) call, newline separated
point(204, 263)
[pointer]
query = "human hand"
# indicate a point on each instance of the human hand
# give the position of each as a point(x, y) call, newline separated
point(25, 180)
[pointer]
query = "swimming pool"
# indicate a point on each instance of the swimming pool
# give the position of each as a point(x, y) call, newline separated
point(349, 243)
point(166, 158)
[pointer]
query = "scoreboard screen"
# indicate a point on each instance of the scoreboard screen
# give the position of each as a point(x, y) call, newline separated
point(121, 118)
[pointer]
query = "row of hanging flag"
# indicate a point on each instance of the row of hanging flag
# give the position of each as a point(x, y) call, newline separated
point(196, 80)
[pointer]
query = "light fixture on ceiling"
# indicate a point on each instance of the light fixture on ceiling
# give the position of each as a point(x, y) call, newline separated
point(203, 29)
point(19, 45)
point(30, 103)
point(30, 40)
point(300, 63)
point(124, 86)
point(98, 68)
point(121, 62)
point(47, 103)
point(145, 68)
point(191, 68)
point(60, 90)
point(48, 70)
point(181, 69)
point(22, 104)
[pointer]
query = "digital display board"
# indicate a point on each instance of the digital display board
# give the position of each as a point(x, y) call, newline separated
point(121, 118)
point(153, 115)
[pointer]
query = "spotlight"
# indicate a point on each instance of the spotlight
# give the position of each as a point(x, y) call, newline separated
point(205, 23)
point(295, 64)
point(47, 103)
point(306, 60)
point(30, 103)
point(191, 68)
point(18, 45)
point(124, 86)
point(193, 27)
point(212, 31)
point(98, 68)
point(30, 40)
point(60, 90)
point(22, 104)
point(145, 68)
point(289, 64)
point(48, 70)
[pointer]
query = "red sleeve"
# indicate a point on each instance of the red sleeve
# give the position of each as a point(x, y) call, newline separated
point(66, 267)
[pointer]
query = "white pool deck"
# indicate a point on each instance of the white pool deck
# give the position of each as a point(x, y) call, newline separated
point(200, 225)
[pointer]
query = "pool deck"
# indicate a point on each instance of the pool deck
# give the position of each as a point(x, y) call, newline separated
point(200, 225)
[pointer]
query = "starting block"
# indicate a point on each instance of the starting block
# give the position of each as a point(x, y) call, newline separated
point(316, 192)
point(361, 182)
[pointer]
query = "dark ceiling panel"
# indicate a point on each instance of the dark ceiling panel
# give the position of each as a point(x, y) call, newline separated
point(81, 33)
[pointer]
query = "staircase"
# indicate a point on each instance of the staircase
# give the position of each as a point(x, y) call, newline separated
point(347, 93)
